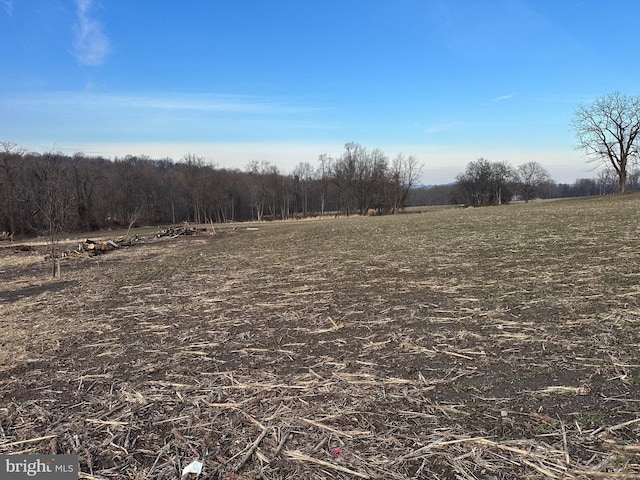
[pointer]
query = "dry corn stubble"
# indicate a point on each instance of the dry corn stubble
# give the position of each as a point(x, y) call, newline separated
point(478, 343)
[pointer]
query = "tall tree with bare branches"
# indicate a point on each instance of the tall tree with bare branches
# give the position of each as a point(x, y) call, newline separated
point(11, 187)
point(403, 175)
point(607, 131)
point(529, 179)
point(53, 202)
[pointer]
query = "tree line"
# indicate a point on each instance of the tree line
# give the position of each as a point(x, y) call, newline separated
point(43, 194)
point(48, 193)
point(608, 132)
point(491, 183)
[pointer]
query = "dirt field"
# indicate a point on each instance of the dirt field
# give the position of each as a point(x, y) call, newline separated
point(495, 343)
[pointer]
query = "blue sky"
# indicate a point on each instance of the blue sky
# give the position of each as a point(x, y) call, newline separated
point(448, 81)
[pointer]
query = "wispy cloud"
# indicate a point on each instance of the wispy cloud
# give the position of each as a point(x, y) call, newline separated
point(161, 103)
point(502, 98)
point(8, 7)
point(203, 102)
point(440, 127)
point(91, 46)
point(163, 116)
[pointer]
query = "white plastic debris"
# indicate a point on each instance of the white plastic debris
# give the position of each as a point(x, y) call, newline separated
point(193, 467)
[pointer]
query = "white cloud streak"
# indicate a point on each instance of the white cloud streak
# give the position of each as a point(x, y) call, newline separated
point(441, 127)
point(8, 7)
point(504, 97)
point(161, 117)
point(160, 102)
point(91, 46)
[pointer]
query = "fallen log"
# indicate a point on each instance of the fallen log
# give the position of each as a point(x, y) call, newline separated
point(178, 230)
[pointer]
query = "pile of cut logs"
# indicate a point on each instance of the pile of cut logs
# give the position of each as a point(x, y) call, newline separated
point(92, 248)
point(183, 229)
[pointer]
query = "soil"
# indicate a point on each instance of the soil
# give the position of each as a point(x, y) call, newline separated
point(494, 343)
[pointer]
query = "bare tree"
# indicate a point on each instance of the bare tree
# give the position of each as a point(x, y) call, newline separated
point(404, 174)
point(633, 179)
point(372, 187)
point(529, 178)
point(485, 183)
point(607, 179)
point(323, 175)
point(53, 204)
point(607, 131)
point(11, 187)
point(195, 172)
point(264, 179)
point(502, 172)
point(345, 176)
point(133, 217)
point(360, 176)
point(87, 177)
point(303, 176)
point(275, 188)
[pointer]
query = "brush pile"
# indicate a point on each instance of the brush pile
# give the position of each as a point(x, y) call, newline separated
point(177, 230)
point(91, 248)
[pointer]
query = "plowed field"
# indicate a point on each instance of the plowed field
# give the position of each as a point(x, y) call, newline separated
point(493, 343)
